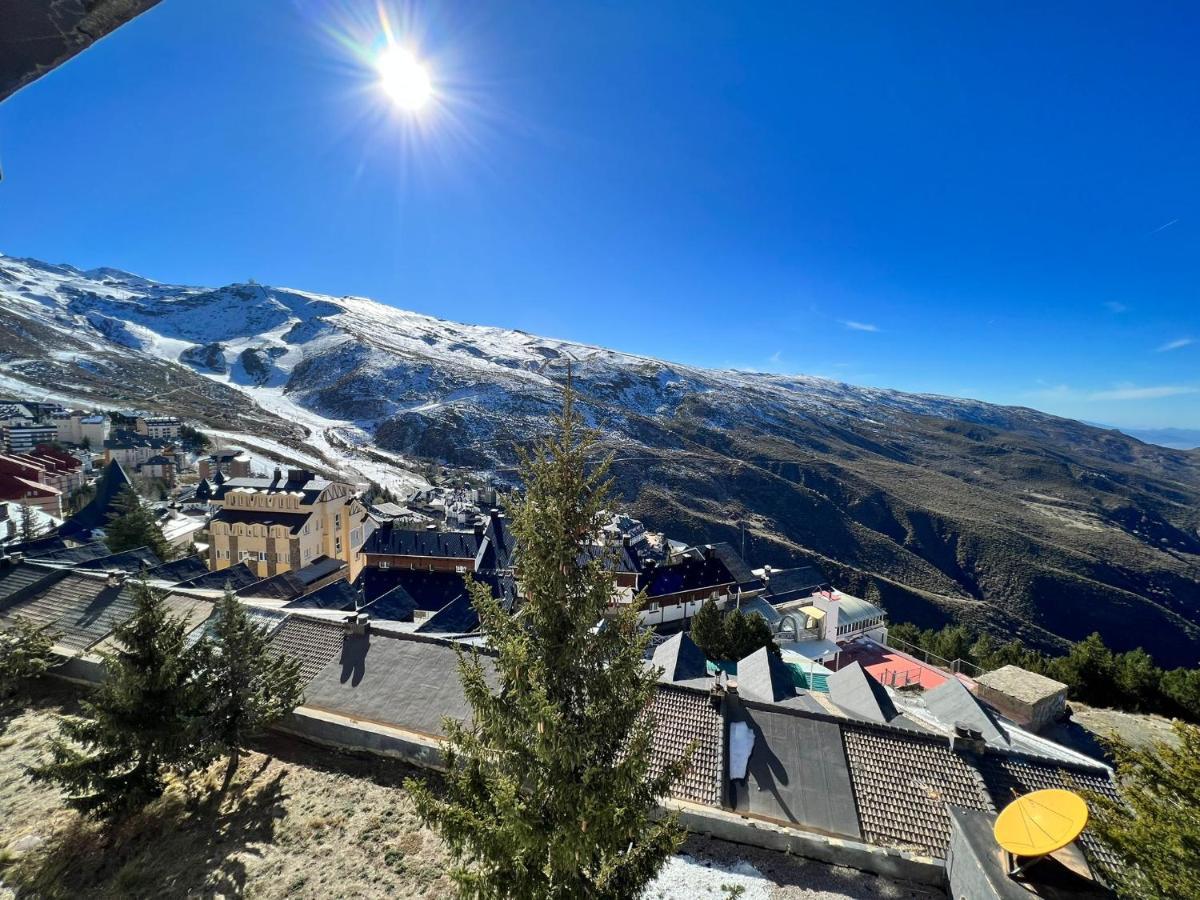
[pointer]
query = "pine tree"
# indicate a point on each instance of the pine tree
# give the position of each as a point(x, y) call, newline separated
point(28, 525)
point(746, 633)
point(132, 526)
point(26, 652)
point(549, 791)
point(1155, 828)
point(708, 631)
point(248, 688)
point(141, 723)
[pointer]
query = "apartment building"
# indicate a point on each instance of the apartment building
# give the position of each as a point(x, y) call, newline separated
point(158, 426)
point(76, 427)
point(285, 521)
point(23, 438)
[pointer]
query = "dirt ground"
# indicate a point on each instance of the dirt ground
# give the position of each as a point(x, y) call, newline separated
point(1088, 725)
point(301, 821)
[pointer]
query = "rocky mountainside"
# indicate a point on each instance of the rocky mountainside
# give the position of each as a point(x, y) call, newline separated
point(940, 508)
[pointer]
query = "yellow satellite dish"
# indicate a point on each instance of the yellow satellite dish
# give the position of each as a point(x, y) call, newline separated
point(1040, 823)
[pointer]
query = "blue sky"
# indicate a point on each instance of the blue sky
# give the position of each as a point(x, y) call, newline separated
point(1001, 203)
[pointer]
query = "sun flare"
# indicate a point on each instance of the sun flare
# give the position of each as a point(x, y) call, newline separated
point(404, 79)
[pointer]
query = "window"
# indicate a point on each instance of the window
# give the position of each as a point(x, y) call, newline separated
point(384, 564)
point(337, 520)
point(461, 570)
point(653, 607)
point(262, 555)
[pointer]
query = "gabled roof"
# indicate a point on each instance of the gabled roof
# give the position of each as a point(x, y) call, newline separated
point(765, 678)
point(180, 569)
point(951, 703)
point(860, 696)
point(78, 609)
point(321, 567)
point(284, 586)
point(294, 522)
point(338, 595)
point(113, 481)
point(237, 576)
point(686, 721)
point(313, 642)
point(733, 562)
point(69, 556)
point(456, 617)
point(129, 561)
point(19, 578)
point(681, 661)
point(498, 547)
point(793, 584)
point(428, 590)
point(397, 605)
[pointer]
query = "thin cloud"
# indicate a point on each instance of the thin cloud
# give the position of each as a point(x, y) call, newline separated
point(1115, 306)
point(1129, 392)
point(1177, 344)
point(1165, 227)
point(859, 326)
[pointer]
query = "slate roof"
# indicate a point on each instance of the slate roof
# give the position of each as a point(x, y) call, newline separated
point(681, 660)
point(73, 555)
point(860, 696)
point(237, 576)
point(797, 771)
point(951, 703)
point(427, 590)
point(307, 484)
point(793, 584)
point(902, 783)
point(129, 561)
point(404, 681)
point(294, 522)
point(734, 564)
point(686, 719)
point(618, 558)
point(194, 611)
point(101, 507)
point(396, 605)
point(284, 586)
point(313, 642)
point(321, 567)
point(337, 595)
point(79, 609)
point(686, 575)
point(423, 542)
point(498, 547)
point(764, 677)
point(456, 617)
point(180, 569)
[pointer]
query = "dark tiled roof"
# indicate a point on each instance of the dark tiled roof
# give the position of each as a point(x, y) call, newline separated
point(1008, 776)
point(424, 542)
point(765, 678)
point(308, 484)
point(456, 617)
point(313, 642)
point(686, 575)
point(130, 561)
point(733, 562)
point(793, 584)
point(284, 586)
point(17, 579)
point(73, 556)
point(292, 521)
point(428, 590)
point(681, 660)
point(498, 548)
point(397, 605)
point(180, 569)
point(686, 719)
point(79, 609)
point(902, 784)
point(617, 559)
point(38, 546)
point(338, 595)
point(237, 576)
point(113, 481)
point(951, 703)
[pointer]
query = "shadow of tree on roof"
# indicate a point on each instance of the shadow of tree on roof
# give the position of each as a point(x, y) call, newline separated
point(178, 846)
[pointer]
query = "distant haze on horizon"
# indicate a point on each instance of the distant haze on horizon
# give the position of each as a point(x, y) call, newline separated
point(1003, 207)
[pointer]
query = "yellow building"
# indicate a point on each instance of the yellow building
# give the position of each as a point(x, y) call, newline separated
point(285, 521)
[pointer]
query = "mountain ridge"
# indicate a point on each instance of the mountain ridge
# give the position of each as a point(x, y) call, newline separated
point(941, 508)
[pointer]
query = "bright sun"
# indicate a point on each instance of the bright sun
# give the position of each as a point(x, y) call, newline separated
point(404, 78)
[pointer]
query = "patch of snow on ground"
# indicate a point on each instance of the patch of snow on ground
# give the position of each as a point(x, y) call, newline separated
point(685, 878)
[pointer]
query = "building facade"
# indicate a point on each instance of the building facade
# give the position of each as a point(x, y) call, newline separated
point(285, 521)
point(23, 438)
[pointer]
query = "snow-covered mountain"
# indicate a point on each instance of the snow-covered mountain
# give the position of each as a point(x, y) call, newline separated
point(908, 496)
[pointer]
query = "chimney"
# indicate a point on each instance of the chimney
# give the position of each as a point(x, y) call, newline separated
point(625, 542)
point(116, 579)
point(766, 574)
point(493, 513)
point(278, 474)
point(360, 623)
point(967, 739)
point(478, 528)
